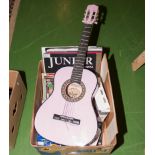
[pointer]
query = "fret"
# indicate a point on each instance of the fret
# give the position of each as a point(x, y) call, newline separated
point(74, 76)
point(88, 26)
point(83, 44)
point(78, 70)
point(84, 40)
point(81, 57)
point(79, 64)
point(81, 54)
point(77, 76)
point(82, 51)
point(79, 61)
point(76, 81)
point(82, 47)
point(87, 29)
point(85, 36)
point(78, 67)
point(86, 32)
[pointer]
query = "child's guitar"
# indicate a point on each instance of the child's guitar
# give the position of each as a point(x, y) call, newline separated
point(67, 117)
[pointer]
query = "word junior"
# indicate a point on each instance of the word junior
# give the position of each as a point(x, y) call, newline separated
point(67, 61)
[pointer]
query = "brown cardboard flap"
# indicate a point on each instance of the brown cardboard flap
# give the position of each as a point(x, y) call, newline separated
point(104, 68)
point(37, 102)
point(110, 122)
point(109, 96)
point(73, 149)
point(12, 78)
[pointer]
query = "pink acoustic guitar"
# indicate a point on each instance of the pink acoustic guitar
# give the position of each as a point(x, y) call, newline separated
point(67, 117)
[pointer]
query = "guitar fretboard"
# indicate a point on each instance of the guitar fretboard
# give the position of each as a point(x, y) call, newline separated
point(80, 59)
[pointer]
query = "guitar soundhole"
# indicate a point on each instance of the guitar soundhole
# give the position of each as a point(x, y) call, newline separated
point(73, 92)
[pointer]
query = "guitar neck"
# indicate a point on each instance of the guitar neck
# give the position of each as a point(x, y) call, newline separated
point(81, 56)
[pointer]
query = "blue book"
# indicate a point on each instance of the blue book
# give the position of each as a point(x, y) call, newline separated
point(44, 142)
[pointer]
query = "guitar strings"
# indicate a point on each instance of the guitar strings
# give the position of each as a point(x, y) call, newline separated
point(63, 113)
point(68, 109)
point(66, 112)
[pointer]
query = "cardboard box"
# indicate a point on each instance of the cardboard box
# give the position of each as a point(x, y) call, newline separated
point(109, 127)
point(17, 93)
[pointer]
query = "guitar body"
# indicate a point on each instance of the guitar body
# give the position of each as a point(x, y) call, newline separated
point(64, 121)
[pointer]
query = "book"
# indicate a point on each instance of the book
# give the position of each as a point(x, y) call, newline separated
point(55, 58)
point(48, 85)
point(41, 141)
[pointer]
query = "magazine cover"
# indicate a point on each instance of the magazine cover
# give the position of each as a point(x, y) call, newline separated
point(55, 58)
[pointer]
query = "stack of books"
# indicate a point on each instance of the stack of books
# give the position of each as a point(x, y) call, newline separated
point(55, 58)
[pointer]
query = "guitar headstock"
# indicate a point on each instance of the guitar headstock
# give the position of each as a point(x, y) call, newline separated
point(91, 14)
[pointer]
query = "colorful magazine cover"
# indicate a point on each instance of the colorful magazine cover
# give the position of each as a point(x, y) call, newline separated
point(55, 58)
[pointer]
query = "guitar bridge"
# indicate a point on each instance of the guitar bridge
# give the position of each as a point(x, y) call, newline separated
point(66, 119)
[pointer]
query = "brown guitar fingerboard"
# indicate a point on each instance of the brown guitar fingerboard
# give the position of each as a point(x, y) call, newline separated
point(13, 10)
